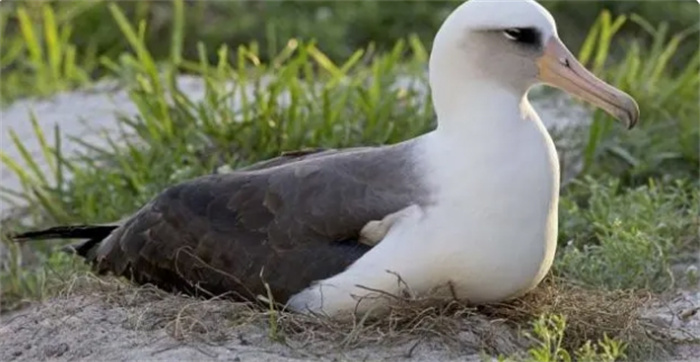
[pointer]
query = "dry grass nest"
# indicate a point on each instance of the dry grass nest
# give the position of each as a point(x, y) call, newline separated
point(496, 329)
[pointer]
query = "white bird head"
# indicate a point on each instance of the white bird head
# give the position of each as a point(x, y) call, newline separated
point(513, 45)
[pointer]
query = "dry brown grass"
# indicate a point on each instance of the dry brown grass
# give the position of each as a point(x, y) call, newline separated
point(590, 313)
point(494, 329)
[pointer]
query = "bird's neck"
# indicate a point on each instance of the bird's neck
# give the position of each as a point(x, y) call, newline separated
point(478, 109)
point(485, 136)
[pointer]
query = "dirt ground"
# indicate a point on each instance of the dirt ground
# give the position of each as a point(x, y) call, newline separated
point(84, 328)
point(138, 325)
point(118, 322)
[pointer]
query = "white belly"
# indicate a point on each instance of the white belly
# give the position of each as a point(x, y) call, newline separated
point(492, 252)
point(492, 234)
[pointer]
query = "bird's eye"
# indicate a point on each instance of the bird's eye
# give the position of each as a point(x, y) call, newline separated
point(528, 36)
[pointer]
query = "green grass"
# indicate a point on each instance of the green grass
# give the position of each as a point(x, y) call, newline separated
point(547, 335)
point(628, 238)
point(624, 223)
point(41, 59)
point(665, 145)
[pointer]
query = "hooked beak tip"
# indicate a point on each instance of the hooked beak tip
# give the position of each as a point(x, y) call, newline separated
point(630, 112)
point(559, 68)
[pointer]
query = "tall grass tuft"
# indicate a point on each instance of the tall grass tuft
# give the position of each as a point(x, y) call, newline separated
point(665, 142)
point(42, 60)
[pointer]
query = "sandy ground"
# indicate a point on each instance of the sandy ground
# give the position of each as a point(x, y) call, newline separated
point(682, 315)
point(136, 324)
point(85, 328)
point(92, 331)
point(130, 324)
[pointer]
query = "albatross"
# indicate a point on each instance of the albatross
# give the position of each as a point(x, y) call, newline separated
point(472, 204)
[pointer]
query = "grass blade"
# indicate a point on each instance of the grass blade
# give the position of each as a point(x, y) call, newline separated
point(53, 47)
point(28, 158)
point(31, 42)
point(45, 148)
point(18, 170)
point(178, 32)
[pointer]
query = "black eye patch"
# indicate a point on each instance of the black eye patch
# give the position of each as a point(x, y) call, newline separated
point(525, 36)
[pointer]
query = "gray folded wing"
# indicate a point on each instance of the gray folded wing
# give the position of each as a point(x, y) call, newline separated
point(286, 224)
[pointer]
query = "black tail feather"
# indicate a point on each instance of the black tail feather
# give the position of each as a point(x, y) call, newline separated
point(67, 232)
point(94, 233)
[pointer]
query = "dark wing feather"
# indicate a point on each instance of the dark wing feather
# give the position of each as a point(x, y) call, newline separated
point(286, 225)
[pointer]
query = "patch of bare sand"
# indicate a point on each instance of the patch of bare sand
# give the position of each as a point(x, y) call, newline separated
point(86, 328)
point(119, 322)
point(111, 320)
point(680, 315)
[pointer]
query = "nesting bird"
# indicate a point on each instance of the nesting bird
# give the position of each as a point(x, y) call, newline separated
point(472, 204)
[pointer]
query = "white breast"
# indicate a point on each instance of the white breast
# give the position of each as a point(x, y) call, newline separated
point(494, 227)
